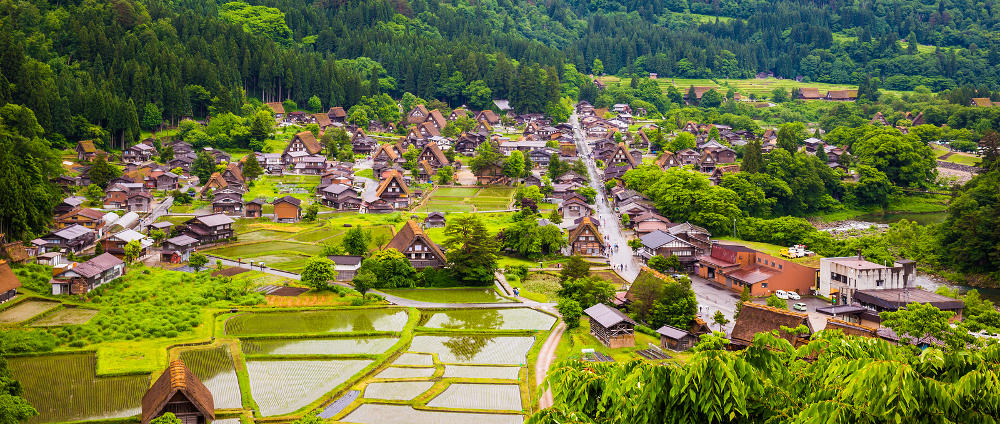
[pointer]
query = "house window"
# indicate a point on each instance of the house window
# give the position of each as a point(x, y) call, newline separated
point(763, 285)
point(879, 283)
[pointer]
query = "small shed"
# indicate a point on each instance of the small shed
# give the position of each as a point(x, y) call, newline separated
point(611, 326)
point(434, 219)
point(287, 209)
point(178, 391)
point(674, 338)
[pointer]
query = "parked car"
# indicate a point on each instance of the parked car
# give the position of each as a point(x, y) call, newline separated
point(793, 295)
point(781, 294)
point(800, 306)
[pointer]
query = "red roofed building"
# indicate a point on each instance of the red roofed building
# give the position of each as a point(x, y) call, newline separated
point(735, 267)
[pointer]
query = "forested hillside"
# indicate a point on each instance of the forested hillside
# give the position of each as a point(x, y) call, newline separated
point(80, 64)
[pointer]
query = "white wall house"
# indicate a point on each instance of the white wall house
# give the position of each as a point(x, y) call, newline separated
point(842, 277)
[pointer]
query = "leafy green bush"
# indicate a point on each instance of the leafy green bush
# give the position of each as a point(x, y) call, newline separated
point(34, 277)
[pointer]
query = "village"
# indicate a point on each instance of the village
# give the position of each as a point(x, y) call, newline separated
point(266, 214)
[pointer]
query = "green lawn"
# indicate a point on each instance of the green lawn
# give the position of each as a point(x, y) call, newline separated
point(956, 157)
point(743, 86)
point(573, 341)
point(271, 187)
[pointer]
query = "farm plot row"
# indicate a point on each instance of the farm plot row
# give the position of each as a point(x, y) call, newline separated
point(319, 321)
point(66, 388)
point(491, 319)
point(334, 346)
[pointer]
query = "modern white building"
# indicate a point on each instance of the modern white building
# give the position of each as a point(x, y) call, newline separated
point(842, 277)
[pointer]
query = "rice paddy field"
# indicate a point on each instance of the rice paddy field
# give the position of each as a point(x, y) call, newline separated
point(377, 413)
point(415, 359)
point(321, 321)
point(745, 87)
point(479, 371)
point(475, 349)
point(334, 346)
point(491, 319)
point(397, 390)
point(498, 397)
point(283, 386)
point(66, 316)
point(25, 310)
point(66, 388)
point(405, 372)
point(450, 295)
point(214, 367)
point(468, 199)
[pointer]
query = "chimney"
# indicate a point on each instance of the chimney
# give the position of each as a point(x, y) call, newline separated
point(860, 258)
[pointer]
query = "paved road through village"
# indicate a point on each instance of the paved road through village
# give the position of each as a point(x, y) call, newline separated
point(610, 223)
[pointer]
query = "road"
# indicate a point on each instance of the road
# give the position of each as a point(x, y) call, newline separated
point(160, 210)
point(713, 298)
point(610, 222)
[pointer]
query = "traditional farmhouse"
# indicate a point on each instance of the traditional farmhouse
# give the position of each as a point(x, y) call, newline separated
point(228, 203)
point(574, 207)
point(74, 238)
point(9, 283)
point(209, 228)
point(83, 278)
point(177, 249)
point(115, 244)
point(413, 243)
point(85, 217)
point(417, 115)
point(181, 393)
point(755, 318)
point(340, 197)
point(611, 326)
point(254, 208)
point(86, 150)
point(585, 239)
point(664, 244)
point(303, 144)
point(393, 190)
point(674, 338)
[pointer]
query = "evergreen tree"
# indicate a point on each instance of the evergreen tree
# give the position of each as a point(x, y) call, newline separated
point(203, 167)
point(472, 250)
point(151, 117)
point(753, 157)
point(251, 168)
point(101, 172)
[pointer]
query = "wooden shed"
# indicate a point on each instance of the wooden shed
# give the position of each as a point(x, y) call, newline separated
point(287, 209)
point(674, 338)
point(178, 391)
point(611, 326)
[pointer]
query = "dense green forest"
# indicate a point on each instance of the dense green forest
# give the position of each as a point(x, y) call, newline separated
point(88, 69)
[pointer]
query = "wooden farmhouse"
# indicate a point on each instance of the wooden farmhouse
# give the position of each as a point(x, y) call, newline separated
point(209, 228)
point(611, 326)
point(178, 391)
point(585, 239)
point(89, 275)
point(413, 243)
point(9, 283)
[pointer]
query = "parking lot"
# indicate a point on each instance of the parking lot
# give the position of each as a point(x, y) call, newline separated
point(713, 298)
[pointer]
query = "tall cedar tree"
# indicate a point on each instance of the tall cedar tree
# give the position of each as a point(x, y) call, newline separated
point(102, 172)
point(472, 250)
point(27, 163)
point(251, 168)
point(753, 157)
point(203, 167)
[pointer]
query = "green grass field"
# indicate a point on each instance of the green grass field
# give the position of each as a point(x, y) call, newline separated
point(743, 86)
point(956, 157)
point(467, 199)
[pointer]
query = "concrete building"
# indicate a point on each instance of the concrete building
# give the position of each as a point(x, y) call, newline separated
point(842, 277)
point(735, 267)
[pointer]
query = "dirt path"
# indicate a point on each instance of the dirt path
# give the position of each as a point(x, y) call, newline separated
point(545, 358)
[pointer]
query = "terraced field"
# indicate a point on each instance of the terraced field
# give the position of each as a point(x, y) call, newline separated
point(334, 346)
point(476, 349)
point(25, 310)
point(492, 319)
point(375, 413)
point(471, 199)
point(408, 372)
point(283, 386)
point(322, 321)
point(479, 371)
point(214, 367)
point(397, 390)
point(65, 388)
point(67, 316)
point(458, 295)
point(498, 397)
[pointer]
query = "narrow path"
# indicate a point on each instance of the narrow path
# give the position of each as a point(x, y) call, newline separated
point(545, 358)
point(610, 222)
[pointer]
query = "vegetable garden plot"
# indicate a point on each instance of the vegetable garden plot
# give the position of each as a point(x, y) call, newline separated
point(492, 319)
point(375, 413)
point(469, 371)
point(214, 367)
point(397, 390)
point(460, 295)
point(25, 310)
point(414, 359)
point(325, 321)
point(336, 346)
point(455, 191)
point(498, 397)
point(65, 388)
point(398, 372)
point(68, 316)
point(281, 387)
point(476, 349)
